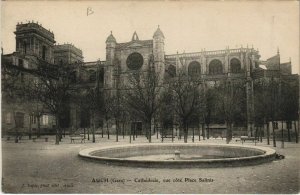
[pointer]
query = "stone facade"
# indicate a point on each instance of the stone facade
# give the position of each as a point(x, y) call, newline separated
point(35, 42)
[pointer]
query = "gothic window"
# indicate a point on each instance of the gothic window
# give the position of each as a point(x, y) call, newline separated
point(20, 62)
point(101, 75)
point(256, 64)
point(92, 77)
point(44, 50)
point(73, 77)
point(215, 67)
point(25, 47)
point(172, 71)
point(194, 69)
point(45, 119)
point(19, 118)
point(8, 118)
point(235, 65)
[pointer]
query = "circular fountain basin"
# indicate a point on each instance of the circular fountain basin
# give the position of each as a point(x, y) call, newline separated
point(165, 155)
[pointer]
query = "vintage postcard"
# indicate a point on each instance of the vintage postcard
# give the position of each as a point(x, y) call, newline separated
point(130, 97)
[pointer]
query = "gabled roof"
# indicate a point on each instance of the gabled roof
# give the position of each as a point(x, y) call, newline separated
point(127, 44)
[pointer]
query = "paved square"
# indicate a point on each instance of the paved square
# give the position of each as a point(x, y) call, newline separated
point(42, 167)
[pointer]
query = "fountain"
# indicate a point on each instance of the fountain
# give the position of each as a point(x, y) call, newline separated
point(180, 155)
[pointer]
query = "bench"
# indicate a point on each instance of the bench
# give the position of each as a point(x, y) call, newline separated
point(77, 137)
point(168, 136)
point(245, 138)
point(18, 137)
point(35, 138)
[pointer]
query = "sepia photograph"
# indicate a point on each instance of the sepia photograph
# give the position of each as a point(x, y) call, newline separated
point(150, 97)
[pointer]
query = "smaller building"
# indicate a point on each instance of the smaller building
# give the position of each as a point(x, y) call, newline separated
point(67, 54)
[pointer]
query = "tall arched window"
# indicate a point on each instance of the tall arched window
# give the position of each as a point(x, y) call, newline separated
point(25, 47)
point(44, 51)
point(101, 75)
point(194, 69)
point(92, 76)
point(73, 77)
point(235, 65)
point(172, 71)
point(215, 67)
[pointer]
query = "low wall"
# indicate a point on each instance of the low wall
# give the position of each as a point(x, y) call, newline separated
point(232, 155)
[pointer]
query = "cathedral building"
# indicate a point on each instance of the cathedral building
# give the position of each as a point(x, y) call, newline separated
point(209, 66)
point(35, 42)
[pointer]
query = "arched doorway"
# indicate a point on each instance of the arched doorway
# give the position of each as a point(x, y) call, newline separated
point(194, 69)
point(215, 67)
point(235, 65)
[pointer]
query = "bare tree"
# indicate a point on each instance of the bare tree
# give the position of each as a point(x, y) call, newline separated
point(187, 97)
point(290, 104)
point(12, 93)
point(230, 101)
point(53, 89)
point(143, 96)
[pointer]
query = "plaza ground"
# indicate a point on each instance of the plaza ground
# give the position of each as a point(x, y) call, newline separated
point(43, 167)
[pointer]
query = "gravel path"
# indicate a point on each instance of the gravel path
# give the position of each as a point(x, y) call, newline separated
point(42, 167)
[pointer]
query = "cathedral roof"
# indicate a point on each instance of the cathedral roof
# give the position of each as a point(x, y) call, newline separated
point(142, 42)
point(110, 38)
point(158, 33)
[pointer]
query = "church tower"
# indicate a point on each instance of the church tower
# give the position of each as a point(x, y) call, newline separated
point(110, 57)
point(158, 52)
point(33, 39)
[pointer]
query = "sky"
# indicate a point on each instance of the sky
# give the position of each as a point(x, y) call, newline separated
point(187, 26)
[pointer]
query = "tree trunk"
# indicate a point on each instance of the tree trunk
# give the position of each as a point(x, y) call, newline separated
point(134, 127)
point(207, 131)
point(282, 138)
point(193, 134)
point(156, 133)
point(88, 133)
point(149, 130)
point(130, 134)
point(296, 131)
point(260, 133)
point(107, 129)
point(94, 129)
point(57, 131)
point(274, 136)
point(60, 134)
point(199, 131)
point(172, 134)
point(229, 132)
point(162, 134)
point(185, 132)
point(255, 134)
point(203, 131)
point(117, 130)
point(268, 133)
point(123, 129)
point(16, 128)
point(84, 133)
point(135, 132)
point(30, 119)
point(180, 131)
point(39, 125)
point(288, 123)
